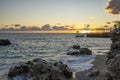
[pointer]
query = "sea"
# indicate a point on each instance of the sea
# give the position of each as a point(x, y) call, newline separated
point(50, 47)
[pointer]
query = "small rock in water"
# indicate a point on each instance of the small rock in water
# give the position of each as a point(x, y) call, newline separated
point(85, 51)
point(76, 50)
point(4, 42)
point(76, 47)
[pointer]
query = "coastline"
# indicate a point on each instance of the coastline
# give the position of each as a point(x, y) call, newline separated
point(99, 64)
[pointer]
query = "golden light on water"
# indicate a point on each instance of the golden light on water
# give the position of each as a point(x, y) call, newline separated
point(85, 31)
point(94, 31)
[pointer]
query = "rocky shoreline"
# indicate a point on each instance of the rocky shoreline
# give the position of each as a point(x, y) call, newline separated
point(39, 69)
point(113, 58)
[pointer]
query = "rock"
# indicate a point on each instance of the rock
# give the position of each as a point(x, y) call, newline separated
point(112, 54)
point(115, 38)
point(18, 69)
point(74, 52)
point(76, 47)
point(113, 58)
point(4, 42)
point(108, 76)
point(85, 51)
point(66, 71)
point(115, 45)
point(113, 66)
point(92, 72)
point(40, 69)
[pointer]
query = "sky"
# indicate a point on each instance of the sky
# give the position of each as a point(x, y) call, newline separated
point(55, 12)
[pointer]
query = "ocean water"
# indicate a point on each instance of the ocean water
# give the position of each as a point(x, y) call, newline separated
point(50, 47)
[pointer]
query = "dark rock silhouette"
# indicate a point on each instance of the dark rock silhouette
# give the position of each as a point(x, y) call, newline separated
point(85, 51)
point(40, 69)
point(113, 58)
point(76, 50)
point(76, 47)
point(4, 42)
point(92, 72)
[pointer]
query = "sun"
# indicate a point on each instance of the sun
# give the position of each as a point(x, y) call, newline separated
point(84, 31)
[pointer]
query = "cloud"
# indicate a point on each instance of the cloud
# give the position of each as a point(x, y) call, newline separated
point(23, 28)
point(108, 22)
point(34, 28)
point(46, 27)
point(6, 26)
point(59, 28)
point(116, 21)
point(113, 7)
point(104, 27)
point(17, 25)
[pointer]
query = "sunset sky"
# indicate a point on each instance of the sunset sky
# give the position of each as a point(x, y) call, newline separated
point(54, 12)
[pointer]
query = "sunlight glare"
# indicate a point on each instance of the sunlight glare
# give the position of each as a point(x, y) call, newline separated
point(85, 31)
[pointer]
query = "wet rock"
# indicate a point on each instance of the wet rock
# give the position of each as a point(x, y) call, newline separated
point(92, 72)
point(115, 45)
point(112, 54)
point(113, 66)
point(76, 47)
point(4, 42)
point(40, 69)
point(18, 69)
point(115, 38)
point(113, 58)
point(85, 51)
point(74, 52)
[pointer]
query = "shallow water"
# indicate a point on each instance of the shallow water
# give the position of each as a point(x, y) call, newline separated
point(50, 47)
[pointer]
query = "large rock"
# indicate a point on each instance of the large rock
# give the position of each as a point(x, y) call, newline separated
point(76, 47)
point(113, 58)
point(4, 42)
point(40, 69)
point(73, 53)
point(113, 66)
point(85, 51)
point(92, 72)
point(115, 46)
point(115, 36)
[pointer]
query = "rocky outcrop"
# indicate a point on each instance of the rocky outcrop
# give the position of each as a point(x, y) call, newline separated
point(113, 58)
point(4, 42)
point(92, 72)
point(76, 50)
point(76, 47)
point(40, 69)
point(85, 51)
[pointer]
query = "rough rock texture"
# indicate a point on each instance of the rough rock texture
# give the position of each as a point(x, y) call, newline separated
point(4, 42)
point(115, 36)
point(85, 51)
point(92, 72)
point(76, 50)
point(76, 47)
point(40, 69)
point(113, 58)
